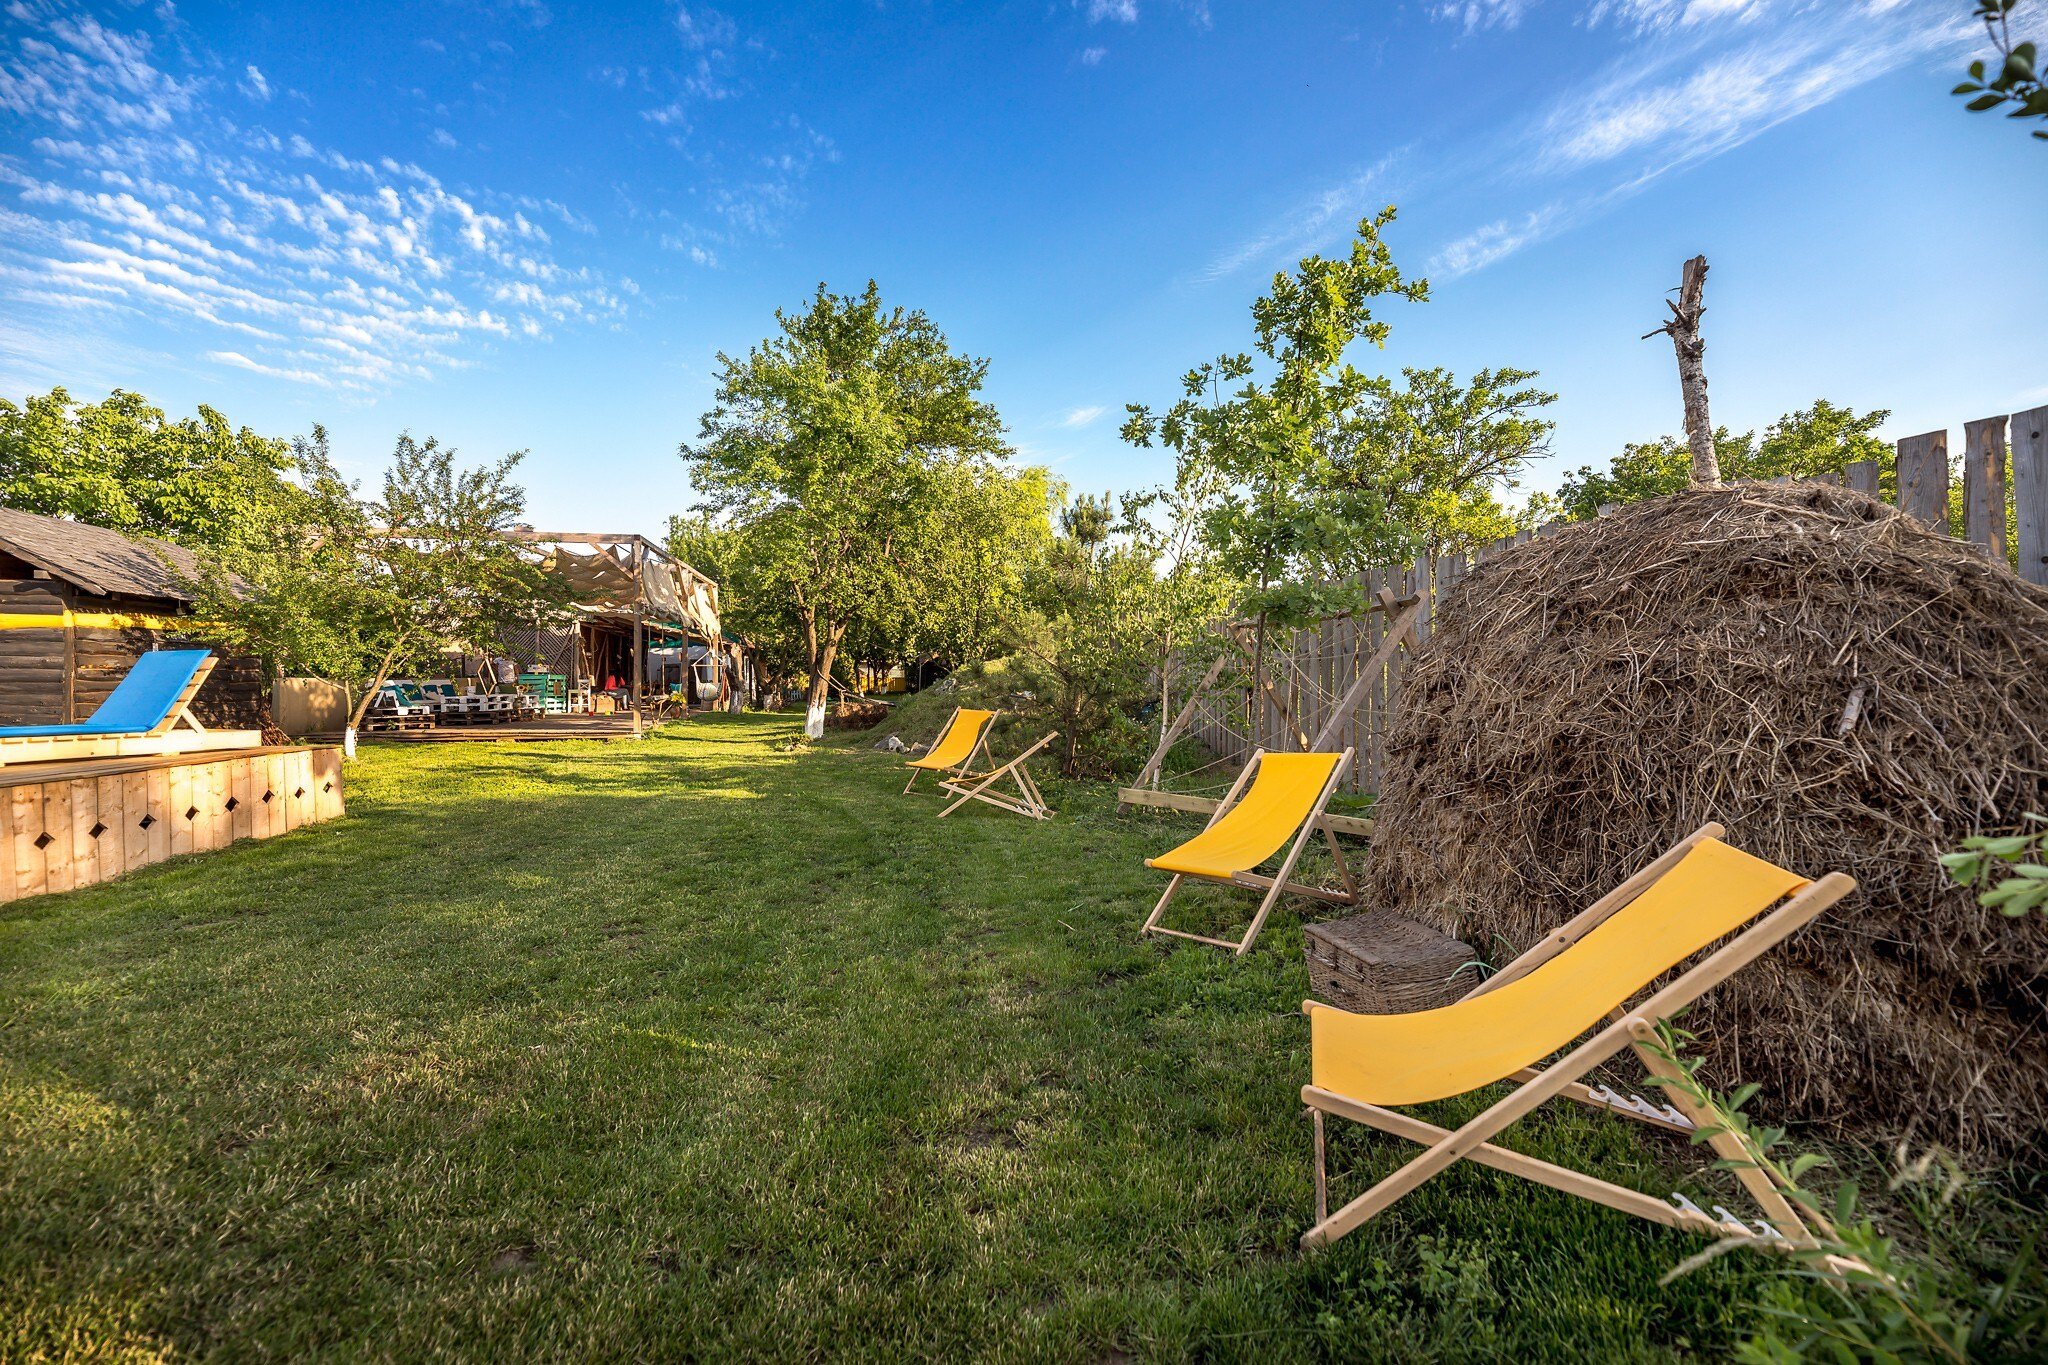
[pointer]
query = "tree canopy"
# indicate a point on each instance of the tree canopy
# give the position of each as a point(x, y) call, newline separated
point(1822, 439)
point(123, 464)
point(350, 588)
point(854, 453)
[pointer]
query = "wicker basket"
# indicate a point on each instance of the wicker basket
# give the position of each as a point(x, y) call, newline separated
point(1381, 963)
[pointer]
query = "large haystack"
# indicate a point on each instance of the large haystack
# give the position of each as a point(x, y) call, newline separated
point(1841, 687)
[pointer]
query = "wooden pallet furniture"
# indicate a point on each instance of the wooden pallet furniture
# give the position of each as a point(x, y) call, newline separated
point(1277, 802)
point(71, 824)
point(141, 716)
point(1585, 976)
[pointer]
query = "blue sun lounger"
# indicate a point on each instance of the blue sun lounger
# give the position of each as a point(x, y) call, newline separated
point(139, 717)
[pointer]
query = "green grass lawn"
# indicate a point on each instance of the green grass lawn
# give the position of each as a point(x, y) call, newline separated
point(709, 1046)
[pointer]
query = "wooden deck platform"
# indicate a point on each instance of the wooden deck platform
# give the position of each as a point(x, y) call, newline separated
point(542, 728)
point(71, 824)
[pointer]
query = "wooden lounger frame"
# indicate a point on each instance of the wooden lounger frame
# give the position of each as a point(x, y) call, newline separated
point(965, 769)
point(1783, 1225)
point(1029, 800)
point(163, 738)
point(1317, 820)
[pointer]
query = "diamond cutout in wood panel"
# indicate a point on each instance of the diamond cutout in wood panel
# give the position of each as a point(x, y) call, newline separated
point(300, 792)
point(234, 801)
point(44, 840)
point(191, 812)
point(97, 829)
point(266, 797)
point(145, 822)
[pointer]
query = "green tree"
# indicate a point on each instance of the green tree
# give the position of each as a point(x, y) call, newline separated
point(123, 464)
point(751, 604)
point(958, 591)
point(2012, 76)
point(1283, 514)
point(351, 588)
point(830, 445)
point(1437, 453)
point(1099, 606)
point(1822, 439)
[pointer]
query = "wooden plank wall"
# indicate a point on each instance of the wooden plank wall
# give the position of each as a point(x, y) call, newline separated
point(82, 823)
point(2003, 469)
point(55, 676)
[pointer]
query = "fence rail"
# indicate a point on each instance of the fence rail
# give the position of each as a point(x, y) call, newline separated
point(2003, 484)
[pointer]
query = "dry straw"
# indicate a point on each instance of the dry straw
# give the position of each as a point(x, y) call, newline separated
point(1844, 689)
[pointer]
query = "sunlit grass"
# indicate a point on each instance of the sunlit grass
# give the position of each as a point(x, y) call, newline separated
point(699, 1046)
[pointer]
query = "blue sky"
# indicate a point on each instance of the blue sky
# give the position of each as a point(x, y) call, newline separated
point(534, 223)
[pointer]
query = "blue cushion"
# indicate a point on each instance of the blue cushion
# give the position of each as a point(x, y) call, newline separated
point(141, 703)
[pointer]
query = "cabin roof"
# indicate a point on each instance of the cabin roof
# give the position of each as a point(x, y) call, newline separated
point(95, 558)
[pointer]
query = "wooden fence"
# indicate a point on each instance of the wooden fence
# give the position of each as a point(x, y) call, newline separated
point(1318, 665)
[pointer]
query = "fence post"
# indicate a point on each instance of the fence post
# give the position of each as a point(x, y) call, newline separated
point(2030, 492)
point(1923, 477)
point(1862, 476)
point(1984, 484)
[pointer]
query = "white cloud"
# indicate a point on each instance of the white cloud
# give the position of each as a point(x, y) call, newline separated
point(701, 28)
point(1493, 242)
point(698, 254)
point(441, 137)
point(1118, 11)
point(1697, 78)
point(1092, 56)
point(140, 202)
point(1081, 417)
point(1308, 224)
point(1694, 104)
point(254, 85)
point(242, 362)
point(1477, 14)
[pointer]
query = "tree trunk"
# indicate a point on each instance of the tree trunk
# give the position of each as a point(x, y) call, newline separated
point(362, 707)
point(1684, 331)
point(816, 695)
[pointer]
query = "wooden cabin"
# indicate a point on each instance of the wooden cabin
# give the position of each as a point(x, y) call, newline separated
point(78, 603)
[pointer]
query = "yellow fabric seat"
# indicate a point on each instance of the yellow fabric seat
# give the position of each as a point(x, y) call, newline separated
point(1282, 796)
point(1600, 984)
point(1396, 1059)
point(958, 743)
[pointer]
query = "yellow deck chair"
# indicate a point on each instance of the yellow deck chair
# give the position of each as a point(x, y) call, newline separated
point(1581, 975)
point(1027, 800)
point(1284, 803)
point(952, 753)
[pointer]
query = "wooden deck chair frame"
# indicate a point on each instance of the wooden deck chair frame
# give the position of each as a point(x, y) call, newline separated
point(162, 738)
point(1315, 821)
point(1029, 800)
point(1629, 1027)
point(965, 769)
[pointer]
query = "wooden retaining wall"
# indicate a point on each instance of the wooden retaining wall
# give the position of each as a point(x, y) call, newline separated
point(2002, 469)
point(69, 825)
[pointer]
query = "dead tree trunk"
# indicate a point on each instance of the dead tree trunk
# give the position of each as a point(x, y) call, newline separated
point(1684, 331)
